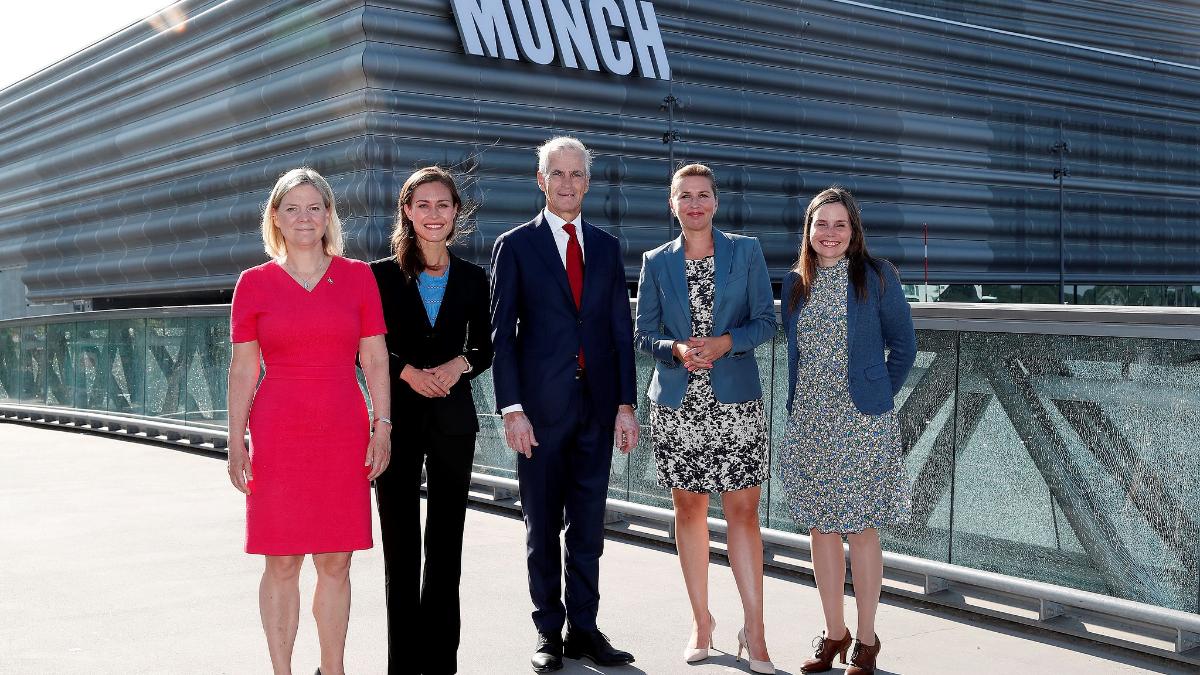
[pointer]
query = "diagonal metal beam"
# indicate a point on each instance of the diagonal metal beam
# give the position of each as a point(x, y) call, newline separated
point(1139, 478)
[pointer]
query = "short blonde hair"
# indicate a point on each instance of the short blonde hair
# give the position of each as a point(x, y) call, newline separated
point(693, 170)
point(273, 241)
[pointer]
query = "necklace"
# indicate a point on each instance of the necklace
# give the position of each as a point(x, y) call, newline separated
point(307, 282)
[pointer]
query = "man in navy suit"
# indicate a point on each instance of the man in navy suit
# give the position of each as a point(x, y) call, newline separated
point(563, 370)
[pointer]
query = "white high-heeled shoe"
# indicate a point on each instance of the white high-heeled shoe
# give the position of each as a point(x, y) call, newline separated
point(695, 654)
point(764, 667)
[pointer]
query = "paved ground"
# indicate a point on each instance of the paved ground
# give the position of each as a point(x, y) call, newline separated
point(124, 557)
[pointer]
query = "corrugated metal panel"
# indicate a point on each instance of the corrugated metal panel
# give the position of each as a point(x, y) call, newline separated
point(143, 169)
point(141, 164)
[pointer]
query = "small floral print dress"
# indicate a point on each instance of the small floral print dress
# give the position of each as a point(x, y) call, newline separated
point(705, 445)
point(842, 471)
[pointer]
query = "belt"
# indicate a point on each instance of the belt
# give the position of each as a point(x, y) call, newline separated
point(280, 372)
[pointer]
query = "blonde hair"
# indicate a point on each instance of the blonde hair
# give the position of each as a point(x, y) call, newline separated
point(273, 242)
point(693, 170)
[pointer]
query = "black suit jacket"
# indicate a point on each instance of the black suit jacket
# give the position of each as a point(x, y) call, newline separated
point(463, 327)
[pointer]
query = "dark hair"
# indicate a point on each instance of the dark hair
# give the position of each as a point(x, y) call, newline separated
point(856, 251)
point(404, 239)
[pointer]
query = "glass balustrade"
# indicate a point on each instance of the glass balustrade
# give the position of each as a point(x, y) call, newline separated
point(1072, 459)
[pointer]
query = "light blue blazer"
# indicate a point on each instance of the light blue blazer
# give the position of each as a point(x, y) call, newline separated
point(743, 306)
point(882, 320)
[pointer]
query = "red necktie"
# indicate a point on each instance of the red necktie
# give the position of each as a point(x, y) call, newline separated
point(575, 271)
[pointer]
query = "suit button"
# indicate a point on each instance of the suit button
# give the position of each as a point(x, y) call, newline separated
point(579, 322)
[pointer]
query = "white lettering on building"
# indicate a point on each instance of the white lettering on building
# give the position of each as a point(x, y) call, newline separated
point(577, 36)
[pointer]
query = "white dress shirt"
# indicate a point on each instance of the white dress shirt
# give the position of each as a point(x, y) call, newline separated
point(560, 235)
point(560, 240)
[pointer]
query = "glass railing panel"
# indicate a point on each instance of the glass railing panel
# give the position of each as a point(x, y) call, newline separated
point(776, 390)
point(10, 364)
point(1082, 469)
point(643, 487)
point(166, 349)
point(32, 360)
point(492, 455)
point(60, 367)
point(125, 359)
point(91, 386)
point(925, 410)
point(207, 366)
point(768, 355)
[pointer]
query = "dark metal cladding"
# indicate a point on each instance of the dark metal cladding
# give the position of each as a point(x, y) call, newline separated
point(139, 165)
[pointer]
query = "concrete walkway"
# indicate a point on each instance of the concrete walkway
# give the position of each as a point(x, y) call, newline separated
point(125, 557)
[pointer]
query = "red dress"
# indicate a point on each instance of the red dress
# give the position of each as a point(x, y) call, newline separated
point(309, 427)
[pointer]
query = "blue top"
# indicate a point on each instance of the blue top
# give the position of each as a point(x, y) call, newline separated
point(743, 306)
point(432, 290)
point(882, 320)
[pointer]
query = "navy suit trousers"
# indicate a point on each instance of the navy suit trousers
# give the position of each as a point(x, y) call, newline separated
point(565, 483)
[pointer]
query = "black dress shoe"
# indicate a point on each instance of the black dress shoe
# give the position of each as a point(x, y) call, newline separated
point(594, 645)
point(547, 658)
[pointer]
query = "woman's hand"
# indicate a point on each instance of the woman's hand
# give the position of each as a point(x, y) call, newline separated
point(238, 464)
point(448, 373)
point(379, 450)
point(702, 352)
point(424, 382)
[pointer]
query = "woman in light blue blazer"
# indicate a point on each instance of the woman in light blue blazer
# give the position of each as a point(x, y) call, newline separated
point(840, 462)
point(704, 304)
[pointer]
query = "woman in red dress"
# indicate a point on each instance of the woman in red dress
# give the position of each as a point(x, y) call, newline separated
point(313, 453)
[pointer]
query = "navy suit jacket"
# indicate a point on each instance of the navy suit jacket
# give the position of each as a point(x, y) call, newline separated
point(537, 331)
point(743, 306)
point(883, 319)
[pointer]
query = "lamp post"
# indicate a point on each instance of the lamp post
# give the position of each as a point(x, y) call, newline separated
point(1061, 149)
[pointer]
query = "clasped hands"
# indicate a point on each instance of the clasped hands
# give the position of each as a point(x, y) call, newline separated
point(518, 432)
point(700, 352)
point(434, 382)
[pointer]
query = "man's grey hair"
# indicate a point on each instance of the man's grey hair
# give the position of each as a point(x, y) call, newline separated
point(564, 143)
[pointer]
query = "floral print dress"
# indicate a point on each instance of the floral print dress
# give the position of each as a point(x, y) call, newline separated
point(705, 445)
point(842, 471)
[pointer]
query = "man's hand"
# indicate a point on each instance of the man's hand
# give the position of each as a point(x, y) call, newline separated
point(518, 432)
point(626, 433)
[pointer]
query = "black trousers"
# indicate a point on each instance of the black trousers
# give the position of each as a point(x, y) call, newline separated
point(427, 602)
point(565, 482)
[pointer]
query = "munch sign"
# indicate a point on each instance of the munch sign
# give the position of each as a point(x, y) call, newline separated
point(577, 34)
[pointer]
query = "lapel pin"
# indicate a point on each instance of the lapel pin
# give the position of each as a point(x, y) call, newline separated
point(329, 279)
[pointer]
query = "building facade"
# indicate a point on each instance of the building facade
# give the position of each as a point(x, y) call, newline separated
point(134, 171)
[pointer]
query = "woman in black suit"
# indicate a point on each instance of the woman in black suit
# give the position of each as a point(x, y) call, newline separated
point(435, 305)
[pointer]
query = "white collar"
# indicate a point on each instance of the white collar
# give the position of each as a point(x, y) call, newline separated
point(557, 223)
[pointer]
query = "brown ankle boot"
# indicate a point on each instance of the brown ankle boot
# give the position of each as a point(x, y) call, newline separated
point(826, 650)
point(862, 662)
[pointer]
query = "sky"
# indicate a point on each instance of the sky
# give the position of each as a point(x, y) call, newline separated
point(39, 33)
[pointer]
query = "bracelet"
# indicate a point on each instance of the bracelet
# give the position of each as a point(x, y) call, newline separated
point(469, 367)
point(381, 419)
